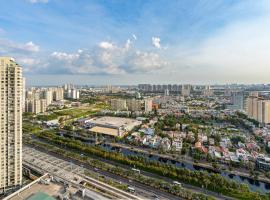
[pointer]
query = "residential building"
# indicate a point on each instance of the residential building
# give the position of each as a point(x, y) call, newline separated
point(207, 91)
point(58, 94)
point(48, 95)
point(134, 105)
point(23, 94)
point(237, 101)
point(148, 104)
point(118, 104)
point(258, 109)
point(10, 124)
point(186, 90)
point(166, 92)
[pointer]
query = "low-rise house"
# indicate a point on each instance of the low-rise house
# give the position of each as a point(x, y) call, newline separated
point(165, 144)
point(147, 131)
point(242, 154)
point(233, 157)
point(252, 146)
point(211, 141)
point(146, 139)
point(201, 148)
point(177, 144)
point(155, 142)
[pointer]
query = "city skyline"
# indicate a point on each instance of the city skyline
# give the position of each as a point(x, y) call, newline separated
point(132, 42)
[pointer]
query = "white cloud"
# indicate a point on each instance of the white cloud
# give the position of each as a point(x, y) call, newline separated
point(106, 45)
point(11, 47)
point(146, 61)
point(128, 44)
point(134, 36)
point(106, 58)
point(38, 1)
point(30, 46)
point(65, 56)
point(156, 42)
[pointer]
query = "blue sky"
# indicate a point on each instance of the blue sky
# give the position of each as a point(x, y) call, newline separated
point(137, 41)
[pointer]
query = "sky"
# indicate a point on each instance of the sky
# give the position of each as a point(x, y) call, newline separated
point(137, 41)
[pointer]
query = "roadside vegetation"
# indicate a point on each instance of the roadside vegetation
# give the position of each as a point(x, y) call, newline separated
point(212, 182)
point(131, 175)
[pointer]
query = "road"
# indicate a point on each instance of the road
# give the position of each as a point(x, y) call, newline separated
point(71, 173)
point(143, 191)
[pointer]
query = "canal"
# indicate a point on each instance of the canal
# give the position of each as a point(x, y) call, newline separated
point(254, 185)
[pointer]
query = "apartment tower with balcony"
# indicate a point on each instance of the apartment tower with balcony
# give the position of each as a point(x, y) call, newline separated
point(10, 124)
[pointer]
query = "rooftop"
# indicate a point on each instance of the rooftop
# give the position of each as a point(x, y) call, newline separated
point(114, 121)
point(106, 131)
point(40, 196)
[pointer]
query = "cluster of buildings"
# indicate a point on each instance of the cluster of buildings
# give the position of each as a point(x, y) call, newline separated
point(131, 105)
point(184, 89)
point(70, 92)
point(258, 108)
point(37, 100)
point(147, 137)
point(255, 106)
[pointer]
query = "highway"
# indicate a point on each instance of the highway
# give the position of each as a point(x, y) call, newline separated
point(143, 191)
point(138, 185)
point(70, 173)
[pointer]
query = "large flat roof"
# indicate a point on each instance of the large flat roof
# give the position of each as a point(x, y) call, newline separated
point(114, 121)
point(104, 130)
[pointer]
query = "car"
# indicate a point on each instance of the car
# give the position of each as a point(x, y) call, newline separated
point(131, 189)
point(177, 183)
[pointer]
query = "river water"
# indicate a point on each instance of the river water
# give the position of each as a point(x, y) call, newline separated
point(254, 185)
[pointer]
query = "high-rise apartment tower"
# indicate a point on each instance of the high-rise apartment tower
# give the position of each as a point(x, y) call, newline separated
point(10, 124)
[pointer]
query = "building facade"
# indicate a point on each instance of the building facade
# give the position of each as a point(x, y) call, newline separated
point(258, 109)
point(118, 104)
point(10, 124)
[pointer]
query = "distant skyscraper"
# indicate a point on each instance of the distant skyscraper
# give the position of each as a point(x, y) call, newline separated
point(166, 92)
point(237, 101)
point(207, 91)
point(259, 109)
point(58, 94)
point(10, 124)
point(148, 104)
point(186, 90)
